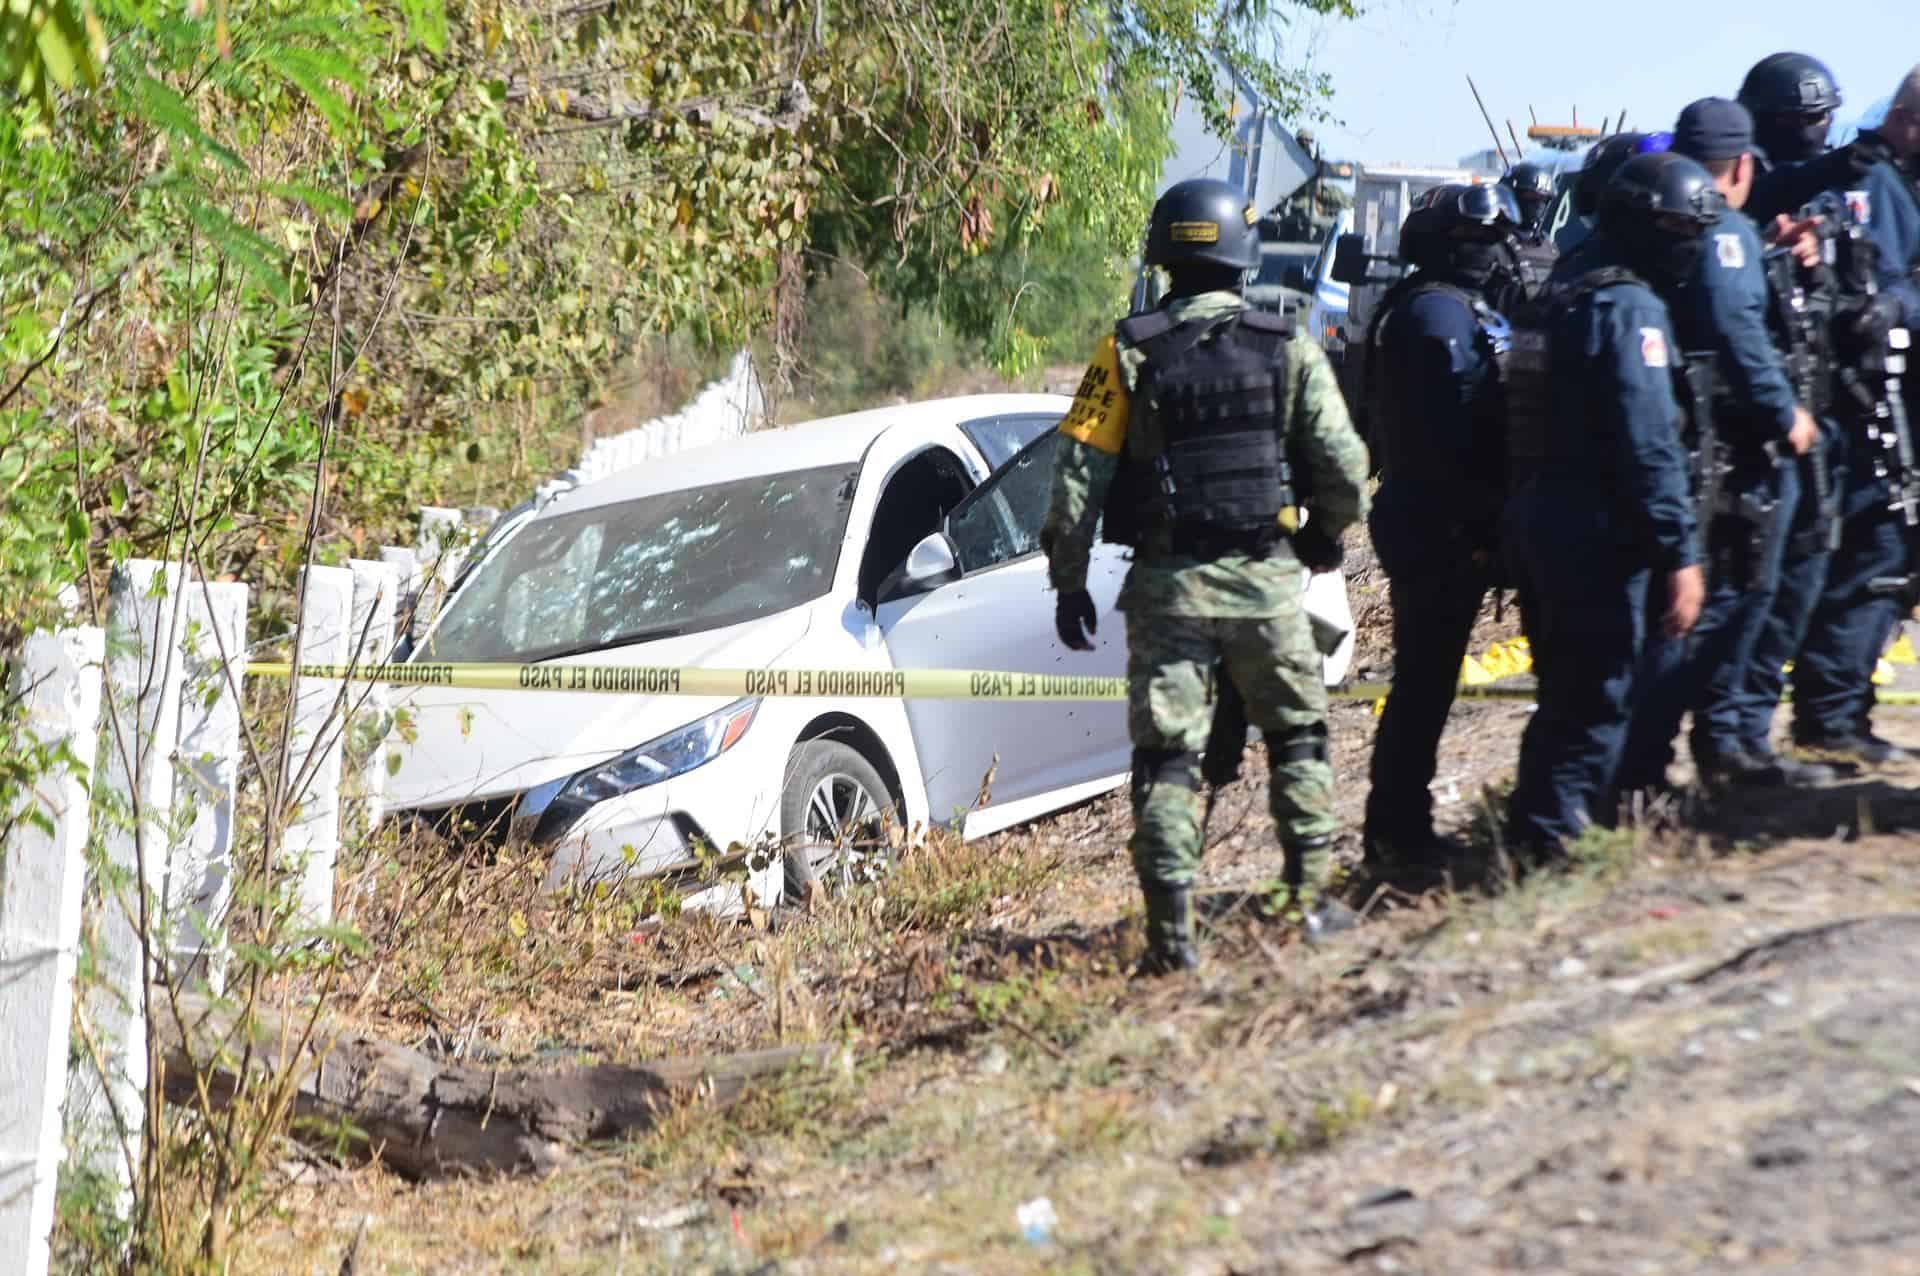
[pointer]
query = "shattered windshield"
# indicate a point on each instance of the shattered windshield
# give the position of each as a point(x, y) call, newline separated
point(673, 563)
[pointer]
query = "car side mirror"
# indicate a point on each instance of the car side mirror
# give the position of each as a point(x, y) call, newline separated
point(1350, 259)
point(929, 565)
point(1295, 277)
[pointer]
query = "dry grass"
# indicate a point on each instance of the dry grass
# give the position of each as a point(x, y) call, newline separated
point(1545, 1059)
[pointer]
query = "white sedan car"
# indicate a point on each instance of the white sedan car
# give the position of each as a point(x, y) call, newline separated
point(877, 541)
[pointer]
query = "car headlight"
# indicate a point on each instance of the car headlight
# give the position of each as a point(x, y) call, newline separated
point(675, 753)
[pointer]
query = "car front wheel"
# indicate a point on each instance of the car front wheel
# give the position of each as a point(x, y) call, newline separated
point(833, 810)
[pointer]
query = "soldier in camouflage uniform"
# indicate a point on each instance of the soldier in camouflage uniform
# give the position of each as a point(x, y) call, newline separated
point(1188, 433)
point(1316, 203)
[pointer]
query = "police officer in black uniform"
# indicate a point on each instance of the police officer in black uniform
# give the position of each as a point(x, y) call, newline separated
point(1757, 426)
point(1532, 187)
point(1830, 603)
point(1604, 159)
point(1793, 98)
point(1438, 438)
point(1605, 533)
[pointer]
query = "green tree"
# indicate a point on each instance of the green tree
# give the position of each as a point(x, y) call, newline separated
point(277, 271)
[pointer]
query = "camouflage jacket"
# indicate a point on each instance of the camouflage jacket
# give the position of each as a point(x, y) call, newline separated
point(1229, 588)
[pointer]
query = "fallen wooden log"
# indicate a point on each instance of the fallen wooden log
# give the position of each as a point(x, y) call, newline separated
point(429, 1119)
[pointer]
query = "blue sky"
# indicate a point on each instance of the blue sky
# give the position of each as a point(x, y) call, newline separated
point(1399, 71)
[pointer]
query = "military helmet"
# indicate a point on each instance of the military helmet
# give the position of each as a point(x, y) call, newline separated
point(1203, 221)
point(1789, 84)
point(1605, 159)
point(1528, 180)
point(1660, 196)
point(1444, 216)
point(1486, 211)
point(1459, 211)
point(1533, 187)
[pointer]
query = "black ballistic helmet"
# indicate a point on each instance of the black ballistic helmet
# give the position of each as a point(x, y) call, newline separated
point(1792, 98)
point(1789, 84)
point(1486, 211)
point(1445, 217)
point(1203, 221)
point(1605, 159)
point(1531, 184)
point(1476, 213)
point(1657, 209)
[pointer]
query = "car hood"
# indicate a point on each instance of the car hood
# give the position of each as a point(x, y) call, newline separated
point(458, 745)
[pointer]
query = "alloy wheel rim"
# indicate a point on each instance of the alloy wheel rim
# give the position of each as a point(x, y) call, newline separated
point(841, 813)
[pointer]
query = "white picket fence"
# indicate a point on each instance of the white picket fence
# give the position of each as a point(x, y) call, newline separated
point(147, 716)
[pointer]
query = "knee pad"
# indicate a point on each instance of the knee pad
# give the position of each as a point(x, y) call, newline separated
point(1299, 744)
point(1180, 767)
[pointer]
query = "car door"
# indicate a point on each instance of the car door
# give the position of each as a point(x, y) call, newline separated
point(999, 616)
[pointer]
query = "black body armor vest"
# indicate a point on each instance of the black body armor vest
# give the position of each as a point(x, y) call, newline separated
point(1526, 368)
point(1392, 414)
point(1527, 372)
point(1219, 479)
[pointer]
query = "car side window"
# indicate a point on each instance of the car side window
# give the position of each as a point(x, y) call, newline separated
point(1001, 520)
point(999, 437)
point(916, 498)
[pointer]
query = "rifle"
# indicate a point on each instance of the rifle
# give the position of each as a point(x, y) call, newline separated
point(1694, 385)
point(1872, 366)
point(1799, 319)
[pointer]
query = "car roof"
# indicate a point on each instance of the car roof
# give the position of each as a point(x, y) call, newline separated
point(834, 440)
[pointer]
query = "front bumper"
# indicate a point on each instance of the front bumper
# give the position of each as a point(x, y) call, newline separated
point(692, 830)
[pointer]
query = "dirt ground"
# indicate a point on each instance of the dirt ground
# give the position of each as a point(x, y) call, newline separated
point(1697, 1051)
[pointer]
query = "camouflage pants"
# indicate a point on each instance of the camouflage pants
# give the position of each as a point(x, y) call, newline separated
point(1171, 662)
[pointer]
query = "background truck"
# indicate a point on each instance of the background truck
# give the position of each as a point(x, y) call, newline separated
point(1262, 159)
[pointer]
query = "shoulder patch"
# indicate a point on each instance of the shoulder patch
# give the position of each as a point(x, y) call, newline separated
point(1653, 348)
point(1098, 417)
point(1860, 207)
point(1733, 254)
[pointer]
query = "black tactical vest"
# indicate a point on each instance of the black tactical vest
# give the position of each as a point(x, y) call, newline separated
point(1527, 372)
point(1391, 414)
point(1526, 369)
point(1218, 481)
point(1537, 257)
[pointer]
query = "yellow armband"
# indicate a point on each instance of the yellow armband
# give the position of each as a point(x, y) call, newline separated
point(1098, 417)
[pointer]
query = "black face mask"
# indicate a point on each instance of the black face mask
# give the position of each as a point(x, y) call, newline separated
point(1788, 139)
point(1679, 259)
point(1475, 263)
point(1666, 262)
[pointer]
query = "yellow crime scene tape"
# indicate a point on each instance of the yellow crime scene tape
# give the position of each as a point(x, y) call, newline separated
point(1482, 677)
point(660, 680)
point(899, 684)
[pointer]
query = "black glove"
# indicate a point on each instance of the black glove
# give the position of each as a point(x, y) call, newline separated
point(1316, 550)
point(1074, 619)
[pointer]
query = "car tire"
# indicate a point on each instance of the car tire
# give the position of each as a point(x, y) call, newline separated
point(832, 808)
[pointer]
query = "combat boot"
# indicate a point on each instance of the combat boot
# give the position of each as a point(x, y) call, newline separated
point(1858, 747)
point(1314, 887)
point(1410, 860)
point(1759, 770)
point(1170, 947)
